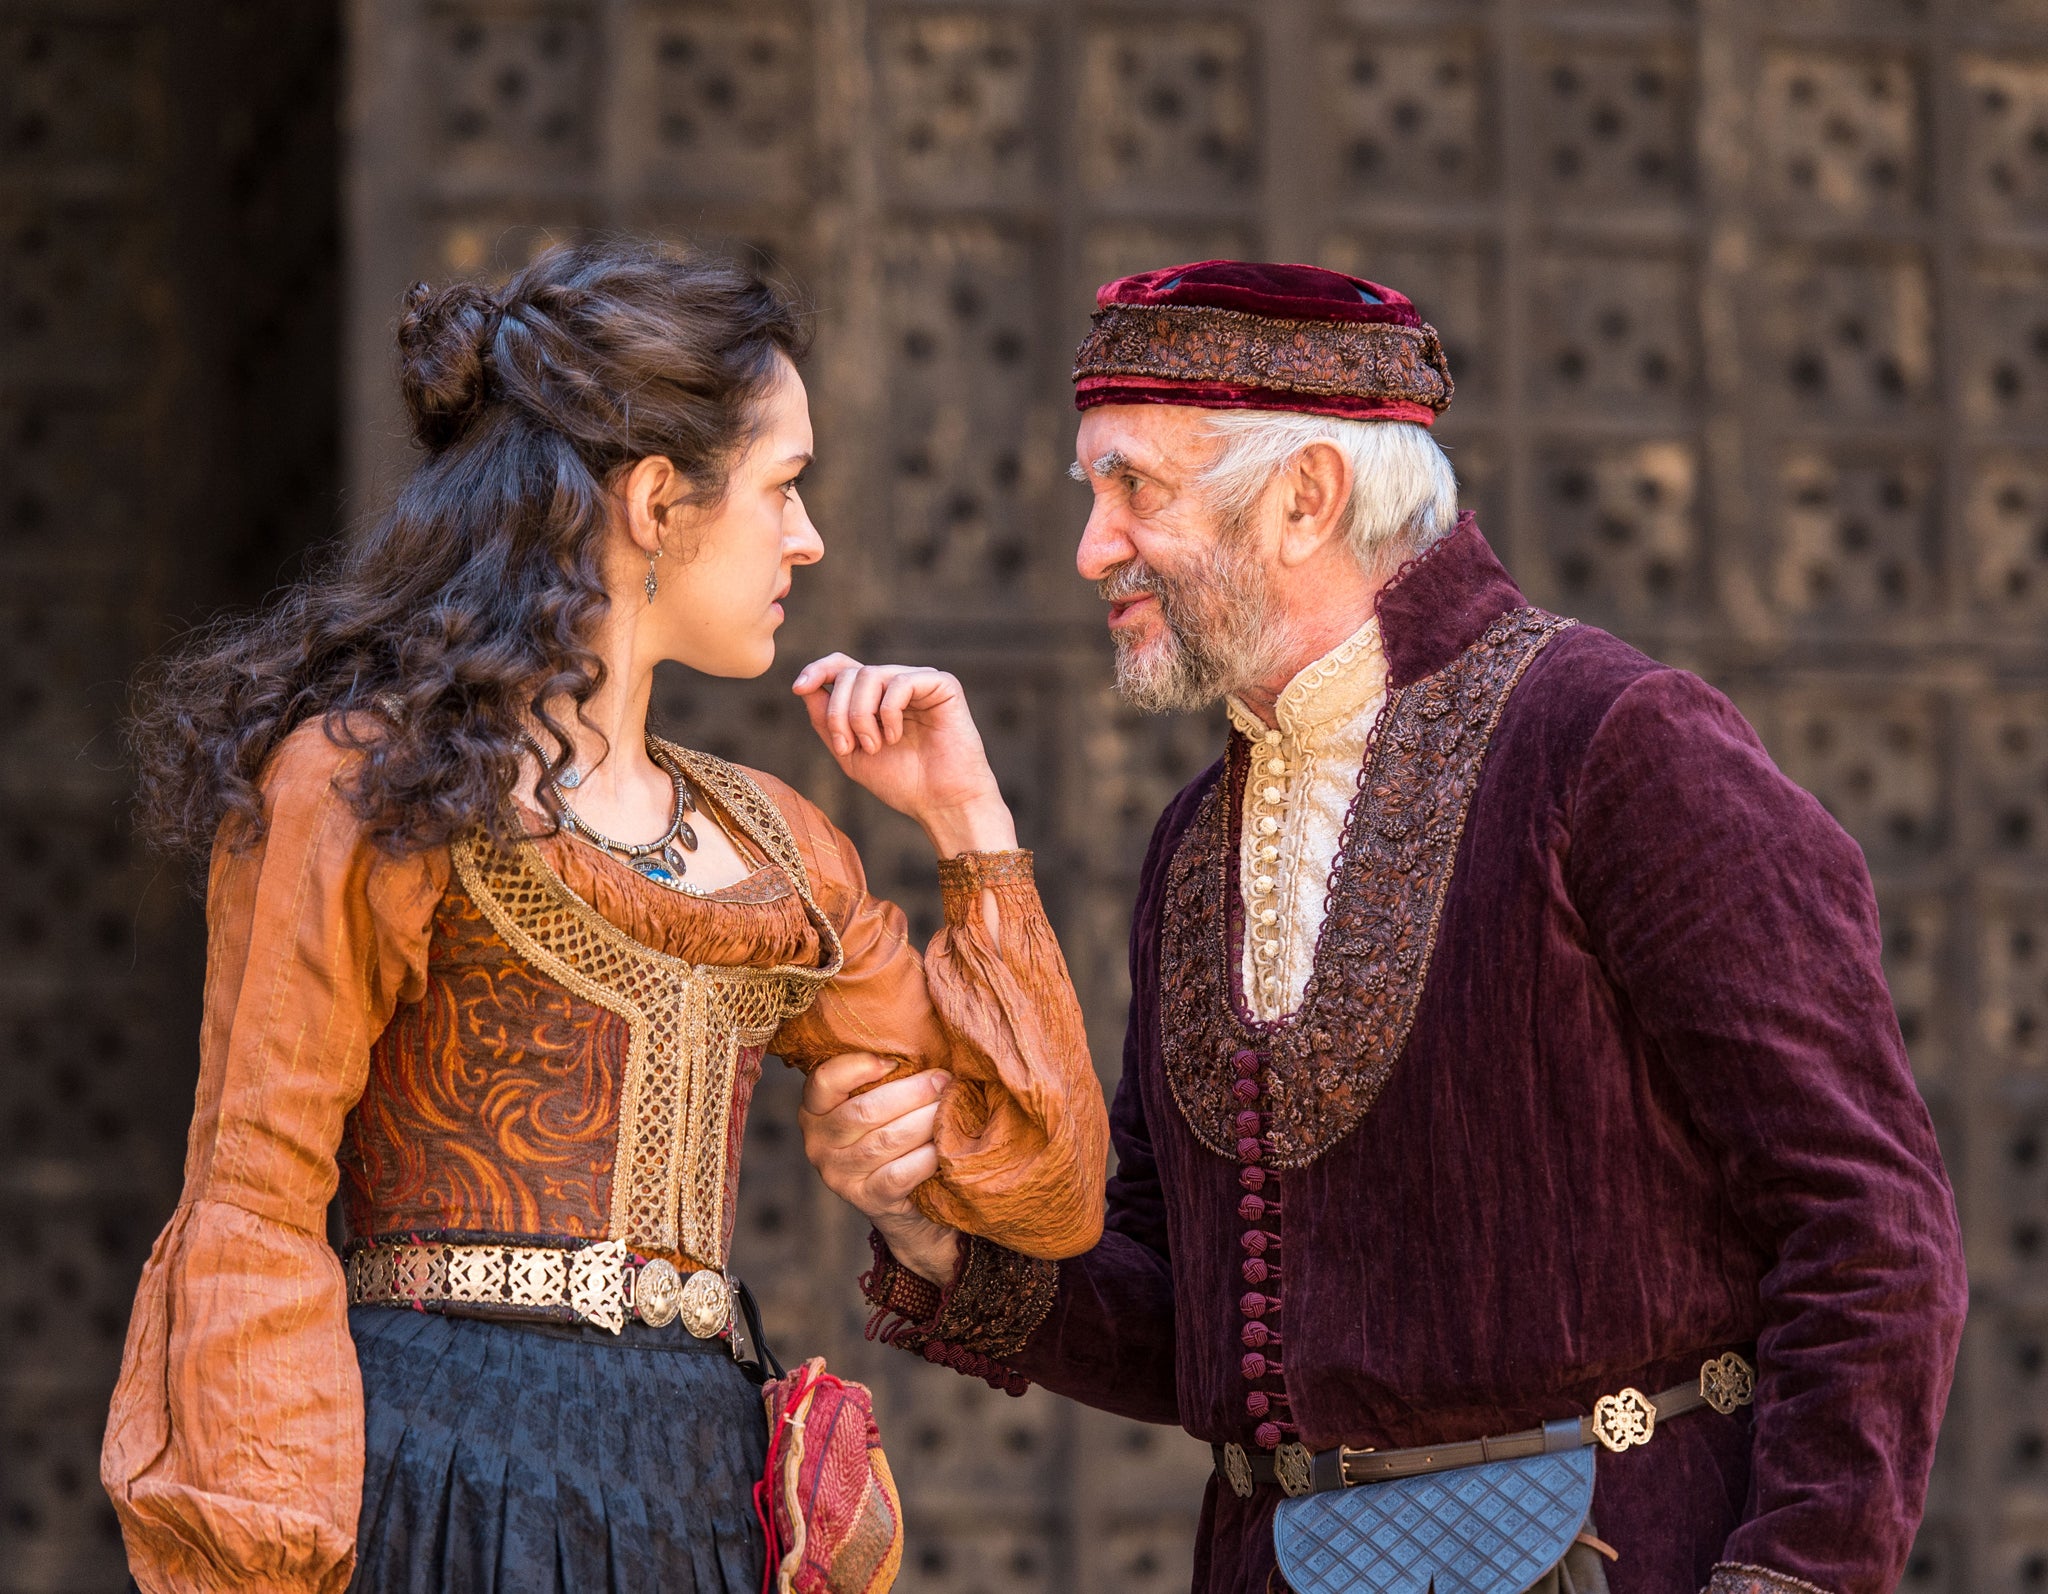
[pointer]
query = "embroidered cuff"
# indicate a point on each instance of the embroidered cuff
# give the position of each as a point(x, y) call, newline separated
point(964, 876)
point(995, 1302)
point(1734, 1577)
point(904, 1300)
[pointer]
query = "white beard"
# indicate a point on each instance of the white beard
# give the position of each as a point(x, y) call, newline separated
point(1218, 634)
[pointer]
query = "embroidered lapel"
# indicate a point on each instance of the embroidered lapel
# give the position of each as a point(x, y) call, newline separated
point(1325, 1064)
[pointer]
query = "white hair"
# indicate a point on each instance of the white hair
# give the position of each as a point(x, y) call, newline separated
point(1404, 495)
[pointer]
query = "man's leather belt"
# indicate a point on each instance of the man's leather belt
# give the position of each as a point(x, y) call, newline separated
point(1619, 1422)
point(601, 1283)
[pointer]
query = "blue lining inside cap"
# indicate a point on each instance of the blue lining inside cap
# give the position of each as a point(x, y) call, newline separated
point(1169, 287)
point(1370, 298)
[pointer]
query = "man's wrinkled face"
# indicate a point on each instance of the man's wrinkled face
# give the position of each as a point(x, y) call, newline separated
point(1187, 588)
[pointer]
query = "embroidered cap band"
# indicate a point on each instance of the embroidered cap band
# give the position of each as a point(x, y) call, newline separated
point(1223, 334)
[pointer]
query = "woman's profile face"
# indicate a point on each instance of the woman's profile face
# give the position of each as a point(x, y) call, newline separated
point(722, 581)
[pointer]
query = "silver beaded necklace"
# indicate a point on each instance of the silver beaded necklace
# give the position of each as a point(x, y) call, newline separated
point(660, 860)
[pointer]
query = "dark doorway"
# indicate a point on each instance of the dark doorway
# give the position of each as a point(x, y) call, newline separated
point(169, 248)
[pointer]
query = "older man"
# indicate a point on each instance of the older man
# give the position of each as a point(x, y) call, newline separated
point(1509, 1057)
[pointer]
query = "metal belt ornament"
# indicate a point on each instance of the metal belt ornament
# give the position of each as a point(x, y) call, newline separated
point(602, 1283)
point(1623, 1421)
point(1727, 1382)
point(1294, 1468)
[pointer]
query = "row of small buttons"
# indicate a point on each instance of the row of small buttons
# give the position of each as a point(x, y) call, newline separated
point(1259, 1306)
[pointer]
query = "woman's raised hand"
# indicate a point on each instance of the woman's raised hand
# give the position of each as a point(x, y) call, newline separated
point(905, 734)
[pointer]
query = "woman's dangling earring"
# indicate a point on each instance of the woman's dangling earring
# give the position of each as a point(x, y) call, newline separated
point(660, 527)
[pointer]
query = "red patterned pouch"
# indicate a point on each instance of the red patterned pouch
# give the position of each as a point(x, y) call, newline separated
point(828, 1503)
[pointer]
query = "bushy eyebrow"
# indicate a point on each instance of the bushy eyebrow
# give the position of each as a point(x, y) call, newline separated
point(1113, 463)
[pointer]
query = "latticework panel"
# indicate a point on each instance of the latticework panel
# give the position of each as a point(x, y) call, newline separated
point(1748, 306)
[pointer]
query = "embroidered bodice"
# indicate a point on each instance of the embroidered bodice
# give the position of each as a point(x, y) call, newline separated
point(561, 1078)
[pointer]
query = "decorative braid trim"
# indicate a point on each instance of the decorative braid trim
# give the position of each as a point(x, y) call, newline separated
point(964, 877)
point(1366, 640)
point(973, 871)
point(1331, 359)
point(1736, 1577)
point(996, 1302)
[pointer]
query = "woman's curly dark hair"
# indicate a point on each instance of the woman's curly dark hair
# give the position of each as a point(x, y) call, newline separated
point(432, 641)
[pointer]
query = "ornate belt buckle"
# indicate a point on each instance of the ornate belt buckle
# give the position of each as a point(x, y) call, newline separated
point(706, 1303)
point(1727, 1382)
point(1237, 1467)
point(1294, 1469)
point(1624, 1420)
point(657, 1292)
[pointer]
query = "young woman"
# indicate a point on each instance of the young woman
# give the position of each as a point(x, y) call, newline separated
point(505, 965)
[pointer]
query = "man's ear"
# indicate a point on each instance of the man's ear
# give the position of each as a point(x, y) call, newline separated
point(1315, 500)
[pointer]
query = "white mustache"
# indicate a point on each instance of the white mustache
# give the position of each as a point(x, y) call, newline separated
point(1132, 580)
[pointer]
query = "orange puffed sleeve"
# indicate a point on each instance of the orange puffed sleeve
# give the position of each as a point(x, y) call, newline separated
point(1023, 1136)
point(234, 1448)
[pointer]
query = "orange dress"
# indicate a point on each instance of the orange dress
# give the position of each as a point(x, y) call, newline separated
point(380, 1024)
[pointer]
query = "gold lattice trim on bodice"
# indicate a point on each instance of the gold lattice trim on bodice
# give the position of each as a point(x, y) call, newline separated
point(688, 1022)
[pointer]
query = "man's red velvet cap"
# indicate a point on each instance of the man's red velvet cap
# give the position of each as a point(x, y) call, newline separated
point(1242, 335)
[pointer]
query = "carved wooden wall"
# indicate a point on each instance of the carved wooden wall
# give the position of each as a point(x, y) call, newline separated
point(1748, 304)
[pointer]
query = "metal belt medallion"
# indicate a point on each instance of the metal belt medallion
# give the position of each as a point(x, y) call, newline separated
point(658, 1293)
point(706, 1303)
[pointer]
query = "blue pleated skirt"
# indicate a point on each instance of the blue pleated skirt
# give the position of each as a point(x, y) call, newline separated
point(501, 1459)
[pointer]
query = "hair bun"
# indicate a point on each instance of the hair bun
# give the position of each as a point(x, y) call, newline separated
point(442, 338)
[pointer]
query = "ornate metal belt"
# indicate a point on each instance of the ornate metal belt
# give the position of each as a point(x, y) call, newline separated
point(602, 1283)
point(1619, 1422)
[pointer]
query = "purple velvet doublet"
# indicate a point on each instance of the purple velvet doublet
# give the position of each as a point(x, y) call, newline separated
point(1598, 1077)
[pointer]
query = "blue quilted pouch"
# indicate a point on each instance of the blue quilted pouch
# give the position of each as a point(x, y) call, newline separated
point(1490, 1529)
